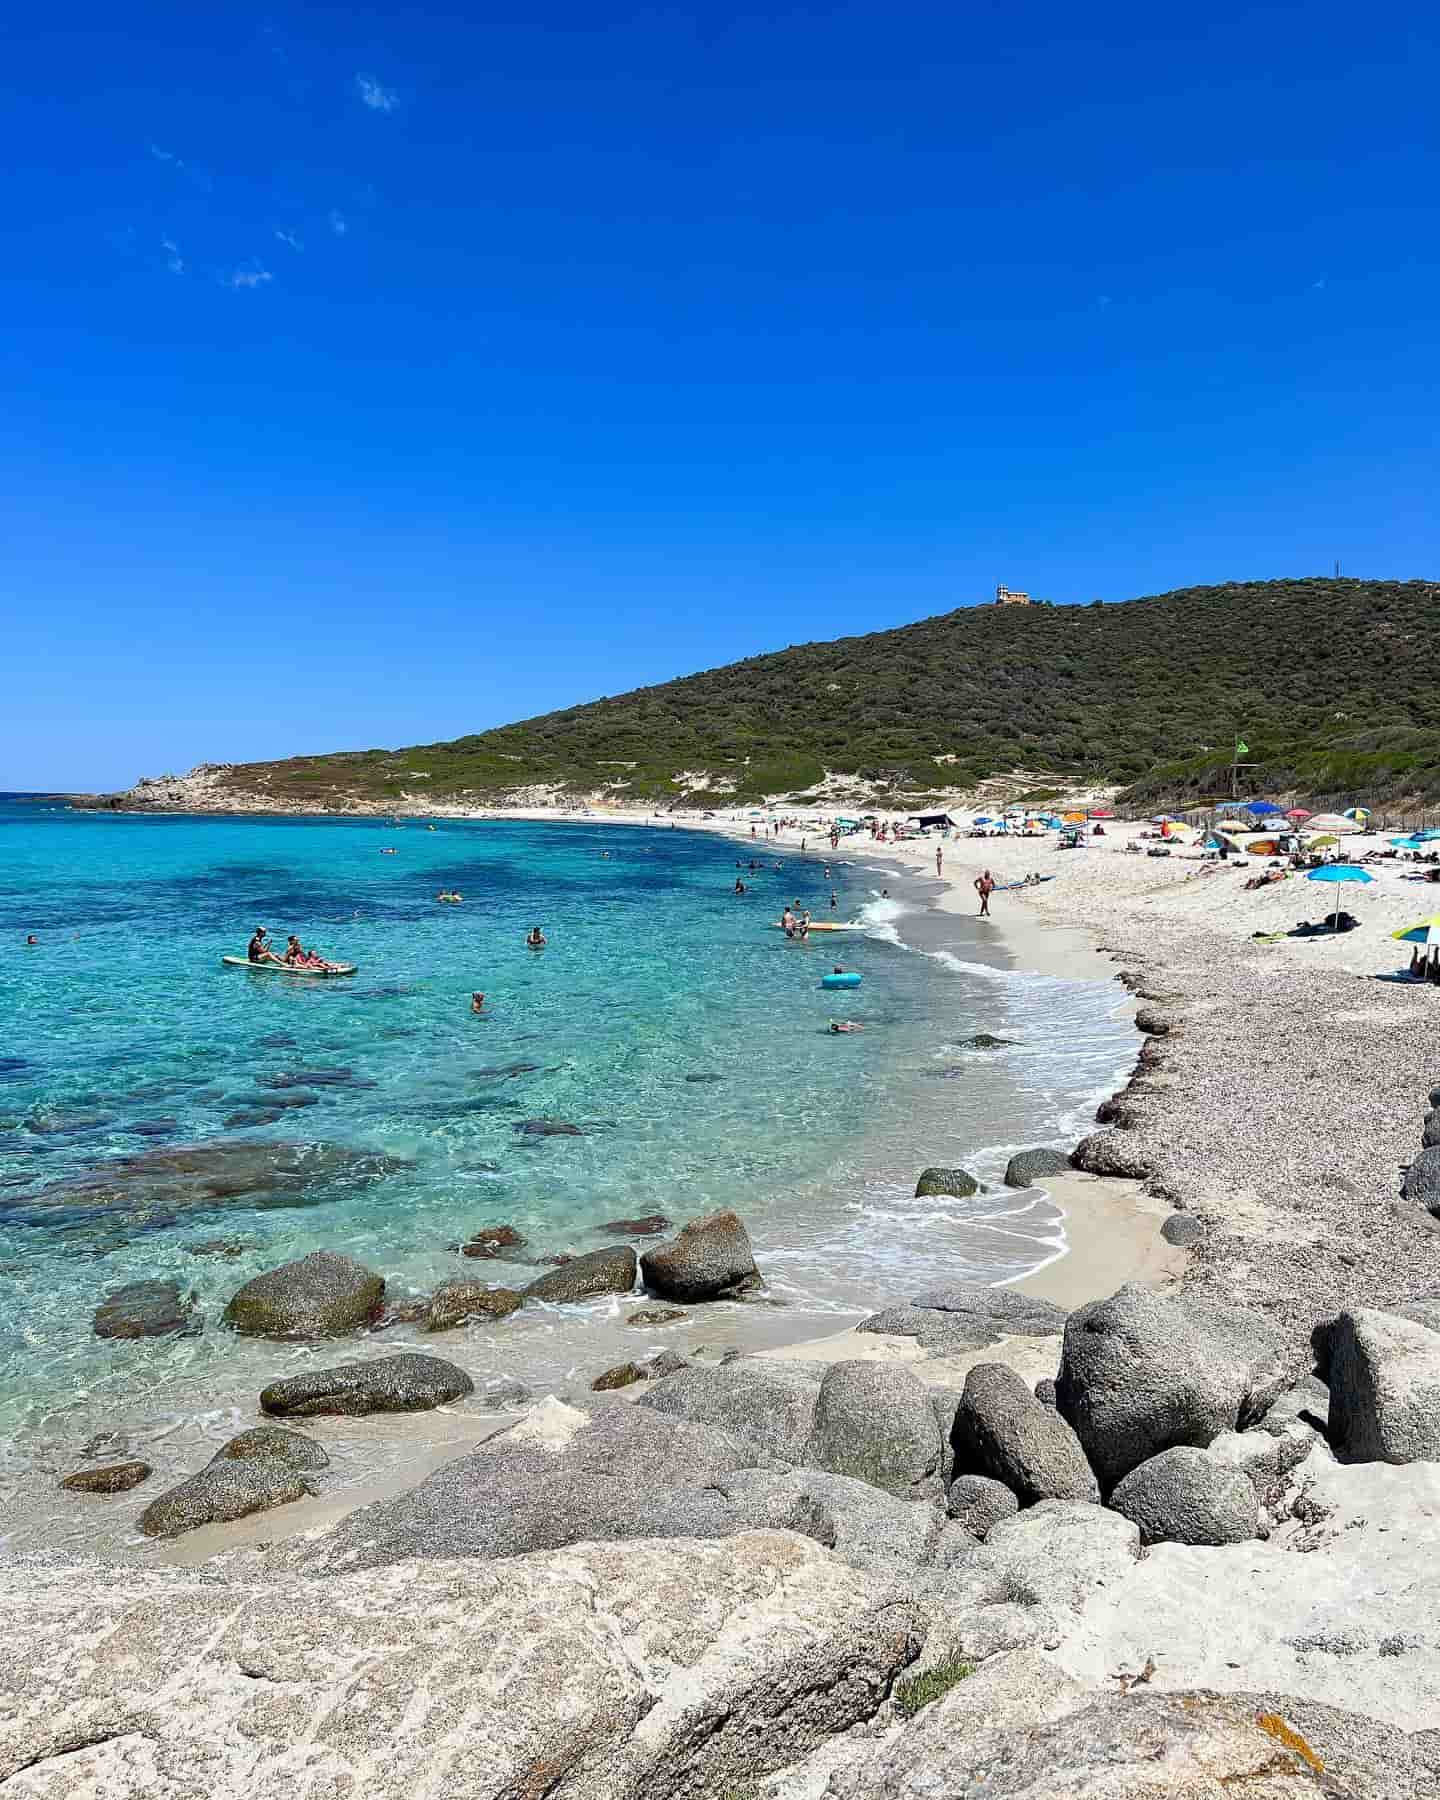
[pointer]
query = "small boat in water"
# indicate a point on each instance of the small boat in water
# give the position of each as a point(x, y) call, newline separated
point(283, 968)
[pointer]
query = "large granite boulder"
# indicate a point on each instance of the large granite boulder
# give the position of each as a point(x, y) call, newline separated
point(608, 1271)
point(1384, 1380)
point(756, 1400)
point(1027, 1167)
point(636, 1671)
point(1003, 1431)
point(406, 1383)
point(273, 1443)
point(1186, 1496)
point(228, 1488)
point(967, 1316)
point(145, 1309)
point(875, 1422)
point(457, 1302)
point(709, 1259)
point(320, 1295)
point(1141, 1373)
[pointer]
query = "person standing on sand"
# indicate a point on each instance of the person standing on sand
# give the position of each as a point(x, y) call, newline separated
point(985, 887)
point(939, 859)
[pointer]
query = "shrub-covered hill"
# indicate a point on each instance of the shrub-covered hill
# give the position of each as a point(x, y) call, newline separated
point(1331, 684)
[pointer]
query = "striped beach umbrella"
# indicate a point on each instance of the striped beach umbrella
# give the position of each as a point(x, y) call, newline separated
point(1425, 931)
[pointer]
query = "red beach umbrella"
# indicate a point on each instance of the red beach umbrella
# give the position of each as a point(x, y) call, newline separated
point(1297, 812)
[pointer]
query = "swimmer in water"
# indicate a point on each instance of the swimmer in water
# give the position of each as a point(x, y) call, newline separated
point(840, 1026)
point(477, 1003)
point(537, 939)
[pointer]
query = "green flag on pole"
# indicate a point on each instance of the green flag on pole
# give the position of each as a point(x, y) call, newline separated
point(1241, 747)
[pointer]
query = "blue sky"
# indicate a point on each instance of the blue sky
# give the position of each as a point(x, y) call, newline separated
point(374, 377)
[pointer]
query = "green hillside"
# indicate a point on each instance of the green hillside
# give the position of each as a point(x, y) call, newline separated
point(1331, 683)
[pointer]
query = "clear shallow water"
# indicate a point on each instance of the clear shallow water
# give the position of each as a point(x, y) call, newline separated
point(123, 1020)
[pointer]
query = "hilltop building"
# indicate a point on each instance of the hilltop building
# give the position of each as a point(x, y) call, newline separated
point(1005, 596)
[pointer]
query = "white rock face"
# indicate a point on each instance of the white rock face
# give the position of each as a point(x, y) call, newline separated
point(1384, 1388)
point(1341, 1606)
point(609, 1672)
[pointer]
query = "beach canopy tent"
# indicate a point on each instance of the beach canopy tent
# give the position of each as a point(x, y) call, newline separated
point(927, 820)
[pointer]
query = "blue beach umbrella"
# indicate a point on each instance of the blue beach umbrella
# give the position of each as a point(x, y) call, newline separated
point(1263, 809)
point(1338, 874)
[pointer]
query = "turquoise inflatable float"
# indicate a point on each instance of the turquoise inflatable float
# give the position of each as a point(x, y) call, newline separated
point(840, 981)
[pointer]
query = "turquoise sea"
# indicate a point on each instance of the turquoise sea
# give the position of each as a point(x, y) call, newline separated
point(685, 1039)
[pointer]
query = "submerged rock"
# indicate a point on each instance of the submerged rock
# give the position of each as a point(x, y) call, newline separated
point(656, 1315)
point(250, 1118)
point(547, 1128)
point(610, 1271)
point(203, 1176)
point(492, 1241)
point(622, 1375)
point(651, 1225)
point(709, 1259)
point(957, 1182)
point(320, 1295)
point(301, 1078)
point(407, 1383)
point(146, 1309)
point(456, 1302)
point(114, 1478)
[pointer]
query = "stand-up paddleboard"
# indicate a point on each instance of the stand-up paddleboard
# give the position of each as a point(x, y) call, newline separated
point(777, 926)
point(273, 968)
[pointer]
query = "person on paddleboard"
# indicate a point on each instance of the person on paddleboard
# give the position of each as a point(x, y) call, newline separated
point(259, 950)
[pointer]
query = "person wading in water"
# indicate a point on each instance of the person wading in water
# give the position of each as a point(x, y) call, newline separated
point(985, 887)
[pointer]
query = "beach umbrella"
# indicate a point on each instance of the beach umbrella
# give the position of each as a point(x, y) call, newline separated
point(1358, 813)
point(1102, 812)
point(1263, 809)
point(1297, 813)
point(1426, 931)
point(1323, 843)
point(1338, 874)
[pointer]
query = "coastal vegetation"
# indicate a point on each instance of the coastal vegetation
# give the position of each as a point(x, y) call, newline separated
point(1328, 683)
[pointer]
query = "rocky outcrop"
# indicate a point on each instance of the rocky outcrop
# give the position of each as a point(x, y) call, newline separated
point(1185, 1496)
point(492, 1241)
point(408, 1383)
point(956, 1182)
point(688, 1669)
point(1003, 1431)
point(1384, 1381)
point(1141, 1373)
point(1027, 1167)
point(455, 1303)
point(610, 1271)
point(758, 1401)
point(146, 1309)
point(709, 1259)
point(1112, 1153)
point(623, 1375)
point(320, 1295)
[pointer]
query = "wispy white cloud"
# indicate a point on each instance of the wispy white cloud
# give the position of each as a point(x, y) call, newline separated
point(1314, 285)
point(289, 237)
point(166, 156)
point(377, 97)
point(1102, 301)
point(248, 278)
point(338, 223)
point(174, 261)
